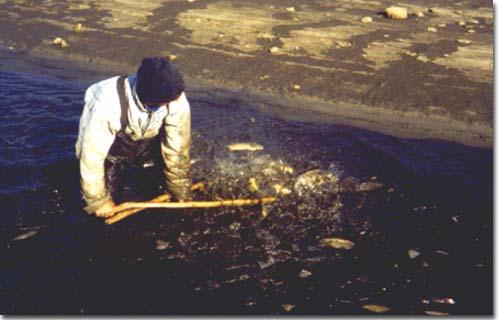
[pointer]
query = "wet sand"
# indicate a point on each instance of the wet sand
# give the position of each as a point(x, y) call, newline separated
point(391, 76)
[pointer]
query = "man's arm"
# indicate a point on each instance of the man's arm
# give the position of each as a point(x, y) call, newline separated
point(96, 138)
point(175, 146)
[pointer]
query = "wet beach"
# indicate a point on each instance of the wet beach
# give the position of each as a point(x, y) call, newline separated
point(418, 213)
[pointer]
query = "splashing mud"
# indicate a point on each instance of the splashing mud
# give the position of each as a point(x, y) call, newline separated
point(377, 195)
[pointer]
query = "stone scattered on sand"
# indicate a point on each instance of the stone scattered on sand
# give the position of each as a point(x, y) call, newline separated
point(461, 23)
point(473, 21)
point(162, 245)
point(57, 40)
point(295, 86)
point(78, 27)
point(304, 273)
point(396, 13)
point(191, 1)
point(376, 308)
point(420, 14)
point(443, 300)
point(343, 44)
point(288, 307)
point(245, 146)
point(264, 77)
point(386, 35)
point(337, 243)
point(435, 313)
point(459, 12)
point(367, 19)
point(370, 186)
point(432, 29)
point(290, 9)
point(412, 253)
point(442, 25)
point(25, 235)
point(471, 31)
point(463, 41)
point(171, 57)
point(274, 49)
point(253, 185)
point(423, 58)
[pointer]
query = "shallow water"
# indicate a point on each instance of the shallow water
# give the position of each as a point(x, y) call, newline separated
point(436, 199)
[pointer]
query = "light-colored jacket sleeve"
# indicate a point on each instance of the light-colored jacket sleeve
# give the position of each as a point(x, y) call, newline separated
point(175, 147)
point(96, 135)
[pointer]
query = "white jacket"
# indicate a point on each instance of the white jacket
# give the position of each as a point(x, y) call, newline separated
point(100, 122)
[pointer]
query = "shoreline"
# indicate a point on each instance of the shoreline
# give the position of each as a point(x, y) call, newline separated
point(295, 108)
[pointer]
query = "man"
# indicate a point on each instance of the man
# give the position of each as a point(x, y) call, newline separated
point(123, 119)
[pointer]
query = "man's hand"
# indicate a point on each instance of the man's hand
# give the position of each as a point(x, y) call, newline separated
point(106, 210)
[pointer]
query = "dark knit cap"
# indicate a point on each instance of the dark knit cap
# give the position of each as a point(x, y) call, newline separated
point(158, 81)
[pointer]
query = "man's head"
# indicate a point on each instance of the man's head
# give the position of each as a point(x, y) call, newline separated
point(158, 81)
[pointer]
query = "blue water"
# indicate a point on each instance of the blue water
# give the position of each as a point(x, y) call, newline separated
point(437, 199)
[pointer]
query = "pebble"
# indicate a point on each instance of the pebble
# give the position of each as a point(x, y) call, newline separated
point(386, 35)
point(162, 245)
point(459, 12)
point(471, 31)
point(443, 300)
point(396, 13)
point(171, 57)
point(252, 185)
point(413, 253)
point(431, 29)
point(367, 19)
point(290, 9)
point(473, 21)
point(274, 49)
point(420, 14)
point(461, 23)
point(442, 25)
point(295, 87)
point(57, 40)
point(435, 313)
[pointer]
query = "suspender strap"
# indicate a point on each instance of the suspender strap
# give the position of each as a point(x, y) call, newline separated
point(120, 86)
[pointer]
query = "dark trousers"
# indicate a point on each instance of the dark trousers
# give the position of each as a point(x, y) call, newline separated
point(134, 168)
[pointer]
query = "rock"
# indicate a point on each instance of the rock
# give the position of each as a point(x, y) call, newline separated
point(338, 243)
point(435, 313)
point(471, 31)
point(397, 13)
point(171, 57)
point(370, 186)
point(25, 235)
point(78, 27)
point(376, 308)
point(473, 21)
point(461, 23)
point(422, 58)
point(459, 12)
point(57, 40)
point(295, 87)
point(290, 9)
point(420, 14)
point(245, 146)
point(442, 25)
point(64, 44)
point(386, 35)
point(191, 1)
point(274, 49)
point(367, 19)
point(463, 41)
point(252, 185)
point(431, 29)
point(304, 274)
point(413, 253)
point(288, 307)
point(343, 44)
